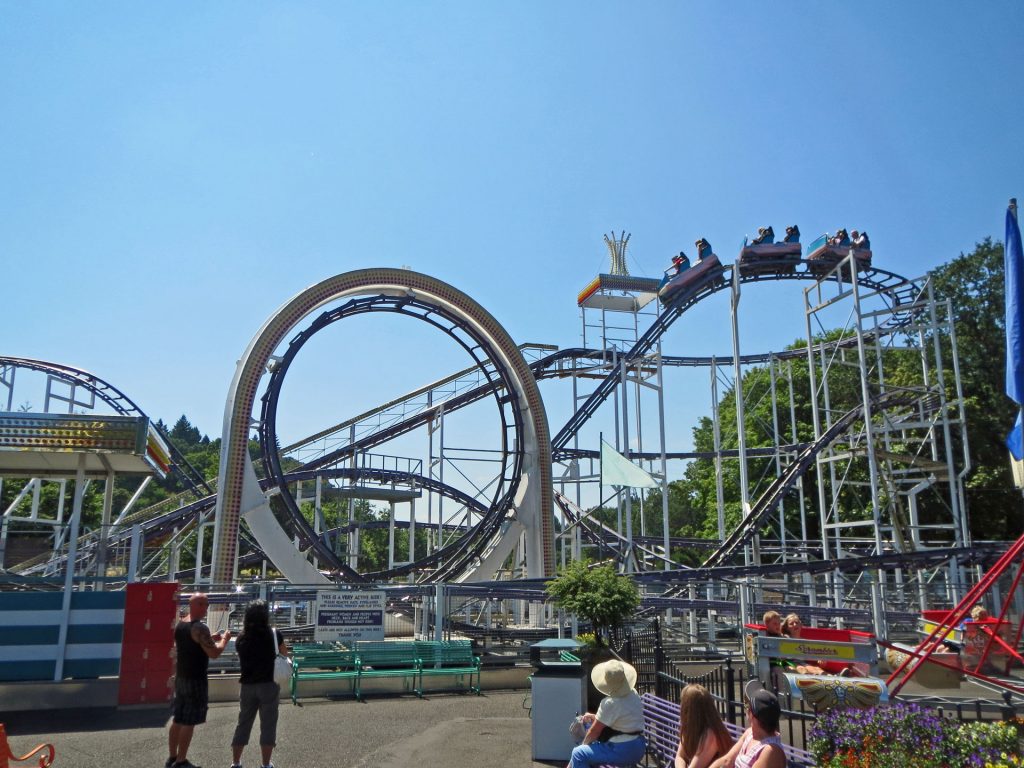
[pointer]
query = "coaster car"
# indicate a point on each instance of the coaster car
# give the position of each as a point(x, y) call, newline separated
point(763, 255)
point(763, 258)
point(828, 250)
point(706, 271)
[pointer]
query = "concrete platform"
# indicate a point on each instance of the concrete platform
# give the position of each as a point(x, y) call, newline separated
point(440, 731)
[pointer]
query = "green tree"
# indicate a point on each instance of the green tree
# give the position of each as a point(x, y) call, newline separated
point(596, 594)
point(975, 283)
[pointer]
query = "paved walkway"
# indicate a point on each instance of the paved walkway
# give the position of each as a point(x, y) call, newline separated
point(442, 731)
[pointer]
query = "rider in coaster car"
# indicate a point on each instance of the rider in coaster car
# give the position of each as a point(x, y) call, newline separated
point(792, 234)
point(840, 238)
point(703, 248)
point(765, 236)
point(680, 262)
point(860, 240)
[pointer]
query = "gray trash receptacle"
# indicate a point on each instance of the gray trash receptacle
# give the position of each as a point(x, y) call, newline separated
point(558, 694)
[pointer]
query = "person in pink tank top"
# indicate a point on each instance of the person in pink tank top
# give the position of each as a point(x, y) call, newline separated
point(760, 745)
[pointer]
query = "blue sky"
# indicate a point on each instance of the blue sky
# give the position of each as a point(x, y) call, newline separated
point(173, 173)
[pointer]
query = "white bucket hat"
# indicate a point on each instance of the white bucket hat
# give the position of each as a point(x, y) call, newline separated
point(614, 677)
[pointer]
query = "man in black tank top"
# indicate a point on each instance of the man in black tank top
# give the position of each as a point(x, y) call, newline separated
point(195, 646)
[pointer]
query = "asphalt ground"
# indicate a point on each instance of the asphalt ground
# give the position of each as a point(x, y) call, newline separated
point(442, 730)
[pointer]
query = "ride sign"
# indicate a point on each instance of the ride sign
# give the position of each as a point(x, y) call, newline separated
point(348, 616)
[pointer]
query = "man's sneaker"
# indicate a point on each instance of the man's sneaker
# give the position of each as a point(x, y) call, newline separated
point(169, 762)
point(236, 765)
point(186, 764)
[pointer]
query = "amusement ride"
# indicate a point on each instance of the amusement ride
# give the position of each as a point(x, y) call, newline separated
point(860, 520)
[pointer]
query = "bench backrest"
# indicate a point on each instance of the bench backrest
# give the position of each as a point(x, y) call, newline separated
point(310, 649)
point(400, 653)
point(324, 660)
point(661, 729)
point(444, 653)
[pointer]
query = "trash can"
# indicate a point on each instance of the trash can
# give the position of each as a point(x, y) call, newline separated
point(559, 693)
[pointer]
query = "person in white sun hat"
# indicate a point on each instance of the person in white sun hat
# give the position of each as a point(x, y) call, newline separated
point(616, 732)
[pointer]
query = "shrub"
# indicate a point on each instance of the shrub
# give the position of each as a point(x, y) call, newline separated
point(595, 594)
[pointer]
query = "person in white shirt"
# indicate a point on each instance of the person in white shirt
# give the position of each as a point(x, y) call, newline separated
point(616, 732)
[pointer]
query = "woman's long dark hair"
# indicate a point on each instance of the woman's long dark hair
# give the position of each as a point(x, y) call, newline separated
point(257, 618)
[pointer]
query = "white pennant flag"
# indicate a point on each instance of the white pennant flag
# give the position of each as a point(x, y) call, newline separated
point(616, 469)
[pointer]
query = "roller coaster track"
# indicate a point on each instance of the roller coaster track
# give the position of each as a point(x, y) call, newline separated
point(750, 524)
point(483, 352)
point(163, 524)
point(121, 404)
point(902, 295)
point(600, 534)
point(898, 291)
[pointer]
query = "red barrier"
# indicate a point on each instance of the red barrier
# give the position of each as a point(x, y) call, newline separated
point(45, 761)
point(147, 643)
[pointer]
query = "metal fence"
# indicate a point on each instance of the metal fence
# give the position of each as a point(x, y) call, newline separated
point(724, 675)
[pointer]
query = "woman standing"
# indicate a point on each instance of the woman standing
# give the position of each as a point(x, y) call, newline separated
point(702, 735)
point(616, 733)
point(257, 646)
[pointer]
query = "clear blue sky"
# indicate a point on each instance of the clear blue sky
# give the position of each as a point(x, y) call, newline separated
point(172, 173)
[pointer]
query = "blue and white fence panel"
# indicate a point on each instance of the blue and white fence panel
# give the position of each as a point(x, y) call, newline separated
point(30, 635)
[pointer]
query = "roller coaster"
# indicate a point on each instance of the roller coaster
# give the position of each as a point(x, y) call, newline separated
point(907, 433)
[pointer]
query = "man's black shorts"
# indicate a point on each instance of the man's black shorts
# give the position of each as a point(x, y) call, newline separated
point(191, 700)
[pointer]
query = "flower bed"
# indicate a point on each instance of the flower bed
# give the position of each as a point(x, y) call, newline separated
point(908, 736)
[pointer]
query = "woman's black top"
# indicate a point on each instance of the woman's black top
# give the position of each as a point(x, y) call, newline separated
point(256, 656)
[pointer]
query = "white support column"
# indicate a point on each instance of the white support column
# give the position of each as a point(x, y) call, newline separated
point(69, 570)
point(664, 463)
point(753, 553)
point(391, 535)
point(716, 432)
point(626, 493)
point(136, 553)
point(439, 611)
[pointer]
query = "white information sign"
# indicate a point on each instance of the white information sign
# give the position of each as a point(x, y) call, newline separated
point(349, 616)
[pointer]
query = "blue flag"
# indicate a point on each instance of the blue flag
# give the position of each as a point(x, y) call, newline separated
point(1014, 274)
point(1015, 442)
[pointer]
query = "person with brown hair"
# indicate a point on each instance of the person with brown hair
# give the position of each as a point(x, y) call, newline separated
point(760, 746)
point(702, 735)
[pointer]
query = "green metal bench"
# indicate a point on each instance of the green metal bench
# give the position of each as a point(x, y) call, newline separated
point(387, 658)
point(322, 664)
point(452, 658)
